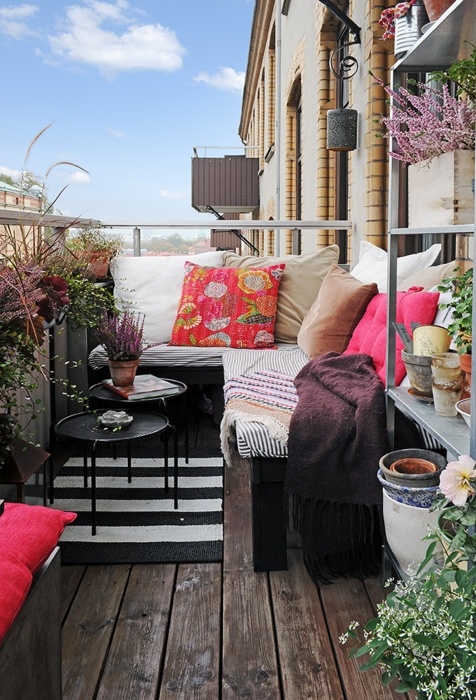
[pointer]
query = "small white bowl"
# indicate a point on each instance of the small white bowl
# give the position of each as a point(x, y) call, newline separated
point(464, 409)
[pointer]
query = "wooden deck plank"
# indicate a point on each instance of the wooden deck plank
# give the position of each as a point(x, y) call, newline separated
point(192, 663)
point(88, 629)
point(306, 658)
point(138, 646)
point(344, 601)
point(70, 579)
point(249, 656)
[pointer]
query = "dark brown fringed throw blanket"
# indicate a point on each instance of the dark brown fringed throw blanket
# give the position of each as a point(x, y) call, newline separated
point(336, 438)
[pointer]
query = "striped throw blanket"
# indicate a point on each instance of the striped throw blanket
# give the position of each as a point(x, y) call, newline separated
point(267, 397)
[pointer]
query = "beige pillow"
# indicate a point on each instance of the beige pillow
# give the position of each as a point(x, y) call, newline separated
point(428, 278)
point(331, 320)
point(302, 279)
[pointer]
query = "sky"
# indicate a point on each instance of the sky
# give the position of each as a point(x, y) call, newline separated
point(128, 88)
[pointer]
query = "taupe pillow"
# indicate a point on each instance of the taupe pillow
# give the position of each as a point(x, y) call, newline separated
point(302, 279)
point(428, 278)
point(338, 308)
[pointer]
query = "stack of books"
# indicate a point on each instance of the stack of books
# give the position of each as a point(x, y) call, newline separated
point(145, 386)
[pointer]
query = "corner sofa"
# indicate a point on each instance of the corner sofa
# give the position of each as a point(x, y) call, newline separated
point(309, 322)
point(30, 601)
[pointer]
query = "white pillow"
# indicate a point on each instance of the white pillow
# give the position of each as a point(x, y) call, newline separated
point(372, 265)
point(152, 285)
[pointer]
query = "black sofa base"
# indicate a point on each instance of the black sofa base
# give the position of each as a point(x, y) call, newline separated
point(268, 514)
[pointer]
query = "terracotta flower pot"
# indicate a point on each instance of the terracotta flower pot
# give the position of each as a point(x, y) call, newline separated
point(465, 363)
point(413, 465)
point(123, 372)
point(413, 479)
point(435, 8)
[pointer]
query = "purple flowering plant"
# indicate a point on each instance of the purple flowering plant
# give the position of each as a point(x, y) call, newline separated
point(427, 124)
point(122, 335)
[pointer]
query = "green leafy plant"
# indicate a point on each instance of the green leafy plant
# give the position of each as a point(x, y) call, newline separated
point(424, 635)
point(93, 248)
point(460, 304)
point(463, 74)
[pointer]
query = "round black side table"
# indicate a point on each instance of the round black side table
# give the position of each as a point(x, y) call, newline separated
point(86, 427)
point(106, 396)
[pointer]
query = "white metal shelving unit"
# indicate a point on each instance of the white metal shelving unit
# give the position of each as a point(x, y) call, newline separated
point(451, 37)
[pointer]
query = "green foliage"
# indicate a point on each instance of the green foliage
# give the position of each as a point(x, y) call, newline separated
point(92, 240)
point(424, 636)
point(463, 73)
point(460, 286)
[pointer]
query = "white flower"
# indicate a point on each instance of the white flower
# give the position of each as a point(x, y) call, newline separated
point(456, 478)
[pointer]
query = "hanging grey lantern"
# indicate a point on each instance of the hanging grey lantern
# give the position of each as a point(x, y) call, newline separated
point(342, 129)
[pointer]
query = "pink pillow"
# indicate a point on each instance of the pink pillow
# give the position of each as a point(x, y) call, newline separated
point(15, 583)
point(370, 335)
point(227, 306)
point(28, 534)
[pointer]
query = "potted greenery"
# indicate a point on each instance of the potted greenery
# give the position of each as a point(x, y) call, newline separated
point(95, 248)
point(459, 302)
point(122, 335)
point(424, 634)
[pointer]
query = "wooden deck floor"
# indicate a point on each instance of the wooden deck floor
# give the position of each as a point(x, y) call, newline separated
point(213, 631)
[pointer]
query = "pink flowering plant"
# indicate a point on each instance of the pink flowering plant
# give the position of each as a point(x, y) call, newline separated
point(425, 125)
point(122, 335)
point(424, 635)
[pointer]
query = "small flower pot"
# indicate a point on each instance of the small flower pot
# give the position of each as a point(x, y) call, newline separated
point(123, 372)
point(419, 373)
point(435, 8)
point(412, 479)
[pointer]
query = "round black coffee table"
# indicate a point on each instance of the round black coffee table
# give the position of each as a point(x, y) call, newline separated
point(86, 427)
point(98, 392)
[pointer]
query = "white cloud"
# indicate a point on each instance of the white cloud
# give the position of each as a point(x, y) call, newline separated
point(85, 40)
point(13, 20)
point(79, 178)
point(226, 79)
point(115, 133)
point(8, 171)
point(166, 194)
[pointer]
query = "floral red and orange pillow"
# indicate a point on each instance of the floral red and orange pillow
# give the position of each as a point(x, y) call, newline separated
point(227, 307)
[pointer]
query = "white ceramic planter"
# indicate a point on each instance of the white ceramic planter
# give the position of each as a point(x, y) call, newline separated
point(405, 528)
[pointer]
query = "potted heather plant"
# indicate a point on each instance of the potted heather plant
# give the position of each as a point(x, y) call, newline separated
point(433, 131)
point(121, 333)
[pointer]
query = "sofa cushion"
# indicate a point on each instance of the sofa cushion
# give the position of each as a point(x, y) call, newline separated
point(28, 534)
point(339, 306)
point(429, 278)
point(372, 265)
point(227, 307)
point(16, 581)
point(370, 334)
point(300, 285)
point(152, 285)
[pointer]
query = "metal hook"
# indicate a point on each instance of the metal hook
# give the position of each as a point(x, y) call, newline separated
point(347, 66)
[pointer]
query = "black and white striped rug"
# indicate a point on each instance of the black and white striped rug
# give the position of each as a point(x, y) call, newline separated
point(136, 522)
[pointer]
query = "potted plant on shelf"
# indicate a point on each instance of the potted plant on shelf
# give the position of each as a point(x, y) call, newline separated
point(423, 636)
point(95, 248)
point(404, 22)
point(433, 132)
point(122, 336)
point(459, 302)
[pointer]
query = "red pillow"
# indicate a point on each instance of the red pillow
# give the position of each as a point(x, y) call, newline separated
point(15, 583)
point(227, 306)
point(370, 335)
point(28, 534)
